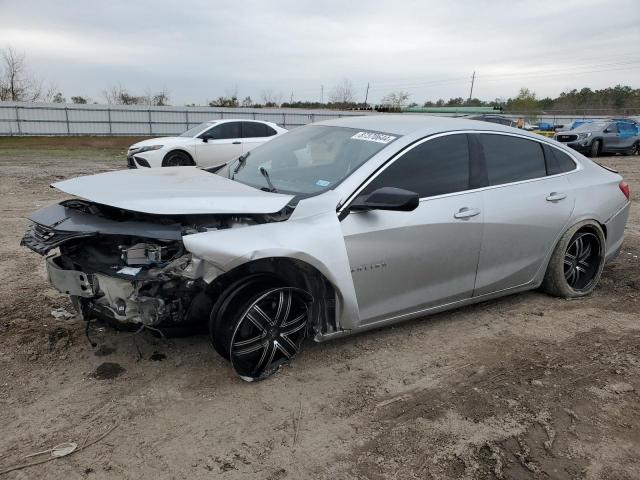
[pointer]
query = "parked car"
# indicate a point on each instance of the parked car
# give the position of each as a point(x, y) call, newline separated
point(598, 137)
point(332, 229)
point(209, 144)
point(499, 119)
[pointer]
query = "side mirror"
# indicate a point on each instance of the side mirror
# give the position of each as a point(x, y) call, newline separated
point(387, 198)
point(607, 130)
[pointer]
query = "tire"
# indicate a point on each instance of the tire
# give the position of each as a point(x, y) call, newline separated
point(594, 151)
point(260, 326)
point(635, 150)
point(177, 159)
point(576, 264)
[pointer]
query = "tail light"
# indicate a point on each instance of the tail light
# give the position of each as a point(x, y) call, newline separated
point(624, 188)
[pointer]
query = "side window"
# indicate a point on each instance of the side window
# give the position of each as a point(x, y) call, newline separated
point(512, 159)
point(558, 161)
point(253, 130)
point(434, 167)
point(612, 128)
point(626, 128)
point(270, 131)
point(224, 131)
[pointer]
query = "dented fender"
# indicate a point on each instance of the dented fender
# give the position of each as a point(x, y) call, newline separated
point(312, 235)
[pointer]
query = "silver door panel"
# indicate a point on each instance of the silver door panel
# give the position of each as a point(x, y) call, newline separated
point(404, 261)
point(521, 225)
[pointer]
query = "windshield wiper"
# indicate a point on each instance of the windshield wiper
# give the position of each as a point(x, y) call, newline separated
point(242, 160)
point(265, 174)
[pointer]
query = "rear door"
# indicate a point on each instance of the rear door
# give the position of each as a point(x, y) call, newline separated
point(525, 210)
point(406, 261)
point(219, 144)
point(254, 134)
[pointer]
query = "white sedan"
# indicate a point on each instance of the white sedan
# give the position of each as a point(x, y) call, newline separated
point(207, 145)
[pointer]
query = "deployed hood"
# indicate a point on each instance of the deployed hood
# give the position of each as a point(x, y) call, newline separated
point(173, 191)
point(163, 141)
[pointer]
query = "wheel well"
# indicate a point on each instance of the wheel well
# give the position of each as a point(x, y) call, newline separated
point(293, 272)
point(181, 151)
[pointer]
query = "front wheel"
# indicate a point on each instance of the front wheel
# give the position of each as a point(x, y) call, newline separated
point(595, 149)
point(577, 262)
point(177, 159)
point(261, 328)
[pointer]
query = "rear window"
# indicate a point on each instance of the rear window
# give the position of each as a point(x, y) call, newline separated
point(512, 159)
point(558, 161)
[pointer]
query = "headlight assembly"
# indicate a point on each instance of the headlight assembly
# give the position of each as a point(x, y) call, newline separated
point(145, 149)
point(582, 136)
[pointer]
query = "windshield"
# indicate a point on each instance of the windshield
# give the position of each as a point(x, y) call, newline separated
point(193, 131)
point(309, 159)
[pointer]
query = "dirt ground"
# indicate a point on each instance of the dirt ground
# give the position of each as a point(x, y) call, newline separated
point(526, 387)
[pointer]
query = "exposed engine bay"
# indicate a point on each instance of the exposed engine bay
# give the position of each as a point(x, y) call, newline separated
point(126, 266)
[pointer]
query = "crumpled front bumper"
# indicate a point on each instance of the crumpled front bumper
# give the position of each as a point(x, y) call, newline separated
point(107, 297)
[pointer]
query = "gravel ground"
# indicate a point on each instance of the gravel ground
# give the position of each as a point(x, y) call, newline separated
point(526, 387)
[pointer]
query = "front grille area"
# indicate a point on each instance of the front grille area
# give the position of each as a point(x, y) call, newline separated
point(567, 138)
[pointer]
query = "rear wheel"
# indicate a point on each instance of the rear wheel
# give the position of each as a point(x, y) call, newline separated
point(177, 159)
point(595, 149)
point(635, 150)
point(261, 326)
point(576, 264)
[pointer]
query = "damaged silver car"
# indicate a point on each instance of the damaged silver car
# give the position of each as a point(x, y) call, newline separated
point(331, 229)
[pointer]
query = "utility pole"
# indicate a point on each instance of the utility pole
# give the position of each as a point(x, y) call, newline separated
point(366, 97)
point(473, 78)
point(321, 93)
point(291, 97)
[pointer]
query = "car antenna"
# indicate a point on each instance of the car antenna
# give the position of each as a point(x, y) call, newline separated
point(265, 174)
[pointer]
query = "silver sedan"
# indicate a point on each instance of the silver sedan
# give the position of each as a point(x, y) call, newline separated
point(331, 229)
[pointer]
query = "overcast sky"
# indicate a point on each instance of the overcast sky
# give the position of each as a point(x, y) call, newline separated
point(199, 50)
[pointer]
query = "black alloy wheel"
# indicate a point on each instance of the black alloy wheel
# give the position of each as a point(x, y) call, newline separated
point(582, 260)
point(177, 159)
point(269, 332)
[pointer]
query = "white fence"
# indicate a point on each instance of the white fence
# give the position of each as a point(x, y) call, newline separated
point(21, 118)
point(18, 118)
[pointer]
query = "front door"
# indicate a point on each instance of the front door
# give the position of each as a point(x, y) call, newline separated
point(610, 138)
point(627, 135)
point(219, 144)
point(402, 262)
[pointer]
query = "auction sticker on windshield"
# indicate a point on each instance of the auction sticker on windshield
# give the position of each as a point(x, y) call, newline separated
point(374, 137)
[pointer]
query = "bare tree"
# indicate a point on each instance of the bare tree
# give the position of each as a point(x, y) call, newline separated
point(58, 98)
point(396, 100)
point(79, 99)
point(118, 95)
point(17, 83)
point(343, 92)
point(159, 99)
point(270, 98)
point(247, 102)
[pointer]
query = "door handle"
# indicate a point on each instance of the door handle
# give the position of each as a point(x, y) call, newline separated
point(556, 197)
point(236, 143)
point(466, 212)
